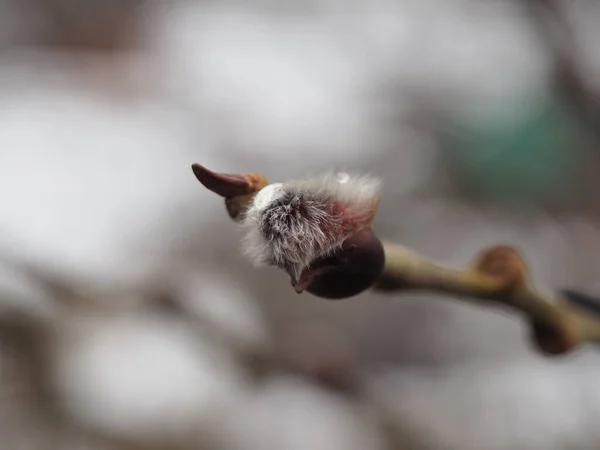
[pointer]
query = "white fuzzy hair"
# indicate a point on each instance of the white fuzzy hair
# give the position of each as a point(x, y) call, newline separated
point(291, 224)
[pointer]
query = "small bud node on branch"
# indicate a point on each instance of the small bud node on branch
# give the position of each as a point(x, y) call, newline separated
point(505, 266)
point(555, 340)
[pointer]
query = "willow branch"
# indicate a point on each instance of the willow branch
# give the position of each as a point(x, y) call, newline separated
point(498, 276)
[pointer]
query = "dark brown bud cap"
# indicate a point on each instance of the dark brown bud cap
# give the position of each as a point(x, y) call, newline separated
point(351, 270)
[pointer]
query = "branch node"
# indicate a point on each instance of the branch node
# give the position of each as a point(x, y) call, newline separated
point(505, 265)
point(557, 339)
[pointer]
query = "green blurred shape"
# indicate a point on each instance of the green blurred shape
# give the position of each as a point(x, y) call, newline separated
point(522, 155)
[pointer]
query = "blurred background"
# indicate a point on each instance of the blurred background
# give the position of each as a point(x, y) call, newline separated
point(130, 320)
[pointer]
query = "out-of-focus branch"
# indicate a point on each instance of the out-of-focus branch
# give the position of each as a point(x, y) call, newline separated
point(498, 276)
point(551, 23)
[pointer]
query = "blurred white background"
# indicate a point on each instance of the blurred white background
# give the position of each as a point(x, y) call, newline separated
point(130, 320)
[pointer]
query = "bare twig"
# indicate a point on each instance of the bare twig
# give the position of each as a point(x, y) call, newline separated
point(499, 276)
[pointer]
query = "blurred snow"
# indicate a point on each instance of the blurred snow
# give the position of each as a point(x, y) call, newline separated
point(218, 299)
point(526, 405)
point(287, 413)
point(21, 297)
point(284, 86)
point(145, 377)
point(86, 178)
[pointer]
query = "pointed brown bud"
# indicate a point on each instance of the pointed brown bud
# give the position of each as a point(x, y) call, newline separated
point(223, 184)
point(237, 189)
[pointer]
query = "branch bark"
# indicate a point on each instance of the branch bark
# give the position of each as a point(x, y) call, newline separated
point(499, 277)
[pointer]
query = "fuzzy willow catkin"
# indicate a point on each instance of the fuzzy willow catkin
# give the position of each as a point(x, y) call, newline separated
point(291, 224)
point(317, 229)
